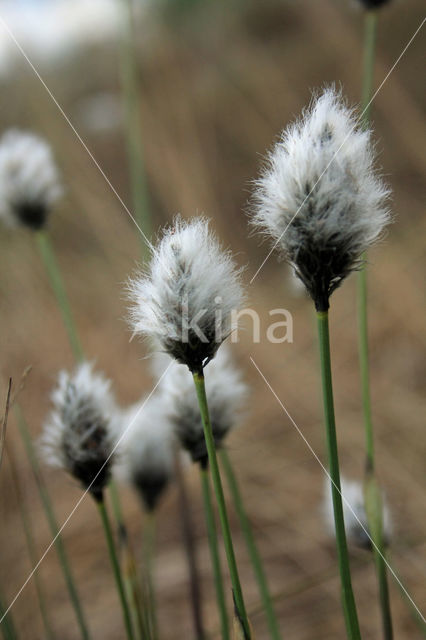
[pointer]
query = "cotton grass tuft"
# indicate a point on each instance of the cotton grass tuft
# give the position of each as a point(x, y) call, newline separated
point(146, 451)
point(79, 432)
point(184, 301)
point(226, 394)
point(320, 198)
point(355, 517)
point(29, 180)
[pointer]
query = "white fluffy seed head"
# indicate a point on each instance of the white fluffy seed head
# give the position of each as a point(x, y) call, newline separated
point(78, 435)
point(354, 515)
point(29, 180)
point(185, 301)
point(146, 449)
point(226, 396)
point(319, 196)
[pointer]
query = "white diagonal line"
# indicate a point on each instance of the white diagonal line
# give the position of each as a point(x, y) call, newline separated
point(342, 496)
point(345, 139)
point(80, 139)
point(82, 497)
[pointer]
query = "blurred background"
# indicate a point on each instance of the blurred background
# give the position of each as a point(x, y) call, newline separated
point(218, 82)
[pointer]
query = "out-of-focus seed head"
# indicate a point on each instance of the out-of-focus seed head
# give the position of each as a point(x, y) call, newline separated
point(146, 449)
point(356, 525)
point(226, 394)
point(29, 180)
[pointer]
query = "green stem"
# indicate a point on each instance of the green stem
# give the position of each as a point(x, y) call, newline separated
point(370, 32)
point(370, 29)
point(381, 571)
point(6, 623)
point(251, 546)
point(364, 366)
point(190, 550)
point(29, 538)
point(133, 126)
point(115, 567)
point(131, 583)
point(53, 524)
point(348, 600)
point(148, 555)
point(374, 511)
point(214, 552)
point(220, 498)
point(48, 257)
point(367, 88)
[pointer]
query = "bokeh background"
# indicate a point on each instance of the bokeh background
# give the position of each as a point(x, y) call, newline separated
point(218, 82)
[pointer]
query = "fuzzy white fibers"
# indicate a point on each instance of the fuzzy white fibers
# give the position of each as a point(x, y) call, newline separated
point(353, 495)
point(185, 301)
point(319, 196)
point(79, 433)
point(226, 396)
point(29, 179)
point(145, 457)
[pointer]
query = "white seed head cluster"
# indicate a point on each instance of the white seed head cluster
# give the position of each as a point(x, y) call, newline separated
point(184, 302)
point(354, 515)
point(226, 393)
point(146, 449)
point(29, 179)
point(319, 196)
point(79, 432)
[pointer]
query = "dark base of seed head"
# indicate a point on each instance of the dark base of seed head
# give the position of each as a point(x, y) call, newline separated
point(373, 4)
point(194, 353)
point(32, 215)
point(322, 270)
point(151, 486)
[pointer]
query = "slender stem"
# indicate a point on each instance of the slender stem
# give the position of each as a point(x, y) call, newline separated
point(6, 623)
point(374, 511)
point(133, 126)
point(148, 548)
point(128, 562)
point(214, 552)
point(251, 546)
point(381, 571)
point(220, 498)
point(190, 550)
point(48, 257)
point(115, 567)
point(53, 524)
point(364, 366)
point(370, 32)
point(31, 545)
point(370, 28)
point(367, 87)
point(348, 600)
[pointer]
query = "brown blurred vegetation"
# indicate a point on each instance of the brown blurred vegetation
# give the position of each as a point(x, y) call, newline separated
point(218, 83)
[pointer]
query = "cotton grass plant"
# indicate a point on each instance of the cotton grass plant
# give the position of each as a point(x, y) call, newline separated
point(183, 304)
point(30, 186)
point(146, 462)
point(227, 396)
point(225, 393)
point(323, 204)
point(79, 438)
